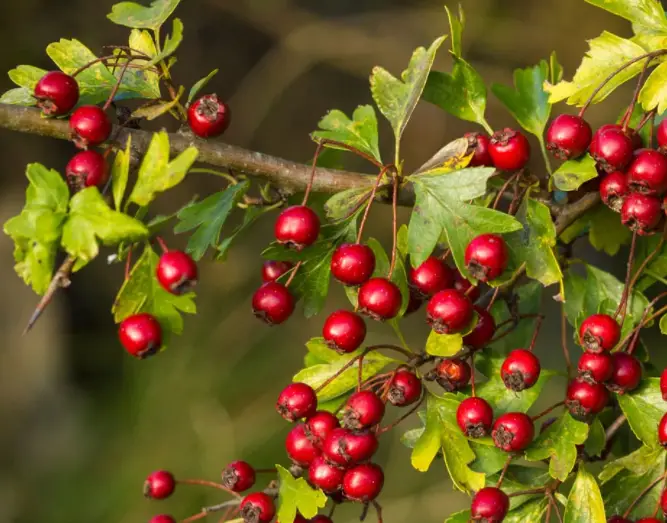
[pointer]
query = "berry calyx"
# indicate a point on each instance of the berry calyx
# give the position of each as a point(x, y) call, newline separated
point(208, 116)
point(599, 332)
point(159, 485)
point(300, 448)
point(612, 150)
point(614, 189)
point(344, 448)
point(297, 401)
point(647, 173)
point(449, 312)
point(297, 227)
point(466, 288)
point(272, 270)
point(568, 136)
point(405, 388)
point(513, 431)
point(452, 374)
point(474, 417)
point(641, 213)
point(320, 425)
point(177, 272)
point(87, 169)
point(363, 410)
point(56, 93)
point(509, 150)
point(379, 299)
point(662, 431)
point(325, 476)
point(352, 263)
point(89, 125)
point(486, 257)
point(626, 374)
point(344, 331)
point(663, 384)
point(520, 370)
point(478, 146)
point(489, 505)
point(363, 483)
point(661, 134)
point(238, 476)
point(257, 507)
point(430, 277)
point(483, 331)
point(584, 400)
point(272, 303)
point(140, 334)
point(162, 518)
point(595, 367)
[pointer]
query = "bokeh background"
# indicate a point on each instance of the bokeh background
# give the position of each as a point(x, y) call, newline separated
point(82, 423)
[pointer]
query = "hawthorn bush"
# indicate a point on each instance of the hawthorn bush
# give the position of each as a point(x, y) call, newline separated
point(485, 239)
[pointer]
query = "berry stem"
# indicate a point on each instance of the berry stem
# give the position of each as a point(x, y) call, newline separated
point(403, 417)
point(536, 332)
point(613, 428)
point(371, 199)
point(472, 373)
point(378, 510)
point(293, 272)
point(309, 187)
point(547, 411)
point(207, 483)
point(128, 262)
point(104, 59)
point(622, 306)
point(114, 91)
point(493, 298)
point(642, 323)
point(507, 183)
point(342, 145)
point(635, 95)
point(231, 179)
point(233, 503)
point(200, 515)
point(642, 494)
point(504, 471)
point(162, 244)
point(394, 225)
point(646, 261)
point(515, 324)
point(563, 340)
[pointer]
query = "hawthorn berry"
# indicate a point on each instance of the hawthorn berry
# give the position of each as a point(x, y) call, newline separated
point(344, 331)
point(352, 263)
point(89, 125)
point(661, 134)
point(325, 476)
point(474, 417)
point(595, 367)
point(320, 425)
point(159, 485)
point(663, 501)
point(162, 518)
point(568, 136)
point(584, 400)
point(599, 332)
point(641, 213)
point(466, 288)
point(300, 448)
point(486, 257)
point(483, 331)
point(321, 519)
point(648, 520)
point(297, 401)
point(489, 505)
point(87, 169)
point(177, 272)
point(449, 312)
point(647, 173)
point(257, 507)
point(618, 519)
point(663, 384)
point(520, 370)
point(362, 410)
point(363, 483)
point(238, 476)
point(272, 270)
point(297, 227)
point(430, 277)
point(452, 374)
point(208, 116)
point(379, 299)
point(513, 431)
point(56, 93)
point(344, 447)
point(509, 150)
point(592, 148)
point(614, 189)
point(612, 150)
point(273, 303)
point(415, 301)
point(405, 388)
point(627, 373)
point(140, 334)
point(478, 146)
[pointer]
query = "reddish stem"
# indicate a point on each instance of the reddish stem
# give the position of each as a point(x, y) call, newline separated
point(502, 190)
point(547, 411)
point(405, 416)
point(371, 199)
point(642, 494)
point(162, 244)
point(127, 264)
point(622, 306)
point(635, 95)
point(306, 194)
point(538, 326)
point(293, 272)
point(354, 150)
point(394, 224)
point(504, 471)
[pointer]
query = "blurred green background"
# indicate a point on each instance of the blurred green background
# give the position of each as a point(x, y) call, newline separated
point(82, 423)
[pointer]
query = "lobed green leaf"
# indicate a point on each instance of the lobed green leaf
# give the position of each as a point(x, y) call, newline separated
point(296, 496)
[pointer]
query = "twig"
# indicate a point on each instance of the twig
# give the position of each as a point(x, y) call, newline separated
point(613, 428)
point(547, 411)
point(212, 484)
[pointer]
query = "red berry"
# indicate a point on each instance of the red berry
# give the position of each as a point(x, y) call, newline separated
point(466, 288)
point(363, 483)
point(296, 401)
point(297, 227)
point(595, 367)
point(641, 213)
point(363, 410)
point(162, 518)
point(648, 520)
point(612, 150)
point(353, 263)
point(320, 425)
point(509, 150)
point(449, 312)
point(489, 505)
point(661, 134)
point(478, 146)
point(618, 519)
point(452, 374)
point(663, 501)
point(431, 276)
point(344, 448)
point(56, 93)
point(486, 257)
point(415, 302)
point(325, 476)
point(141, 335)
point(662, 431)
point(208, 116)
point(484, 330)
point(272, 270)
point(584, 400)
point(238, 476)
point(513, 431)
point(379, 299)
point(599, 332)
point(405, 388)
point(300, 448)
point(87, 169)
point(663, 384)
point(474, 417)
point(159, 485)
point(321, 519)
point(344, 331)
point(257, 507)
point(614, 189)
point(520, 370)
point(177, 272)
point(647, 173)
point(627, 373)
point(568, 136)
point(89, 125)
point(273, 303)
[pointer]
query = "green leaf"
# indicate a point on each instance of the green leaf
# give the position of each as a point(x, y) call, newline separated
point(646, 13)
point(252, 214)
point(572, 174)
point(141, 292)
point(200, 84)
point(607, 53)
point(456, 26)
point(311, 282)
point(555, 69)
point(208, 217)
point(605, 231)
point(529, 297)
point(361, 132)
point(171, 43)
point(532, 511)
point(451, 157)
point(559, 444)
point(90, 218)
point(120, 172)
point(131, 14)
point(596, 440)
point(644, 408)
point(18, 96)
point(443, 345)
point(26, 76)
point(155, 110)
point(656, 269)
point(654, 93)
point(584, 504)
point(344, 204)
point(489, 459)
point(296, 496)
point(141, 40)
